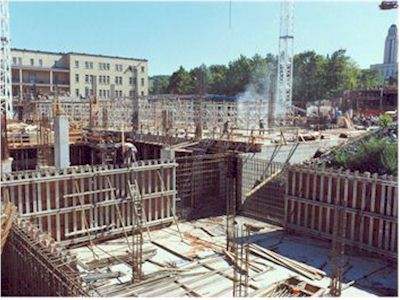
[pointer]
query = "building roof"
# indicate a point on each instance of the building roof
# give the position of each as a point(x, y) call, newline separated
point(77, 53)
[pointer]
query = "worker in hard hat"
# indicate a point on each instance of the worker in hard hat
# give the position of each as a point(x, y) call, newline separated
point(261, 126)
point(225, 129)
point(129, 152)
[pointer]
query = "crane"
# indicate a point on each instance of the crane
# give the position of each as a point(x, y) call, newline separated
point(388, 5)
point(5, 61)
point(285, 61)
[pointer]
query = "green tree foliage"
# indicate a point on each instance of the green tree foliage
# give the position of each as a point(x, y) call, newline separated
point(217, 83)
point(201, 78)
point(180, 82)
point(375, 155)
point(315, 76)
point(309, 77)
point(385, 121)
point(389, 158)
point(160, 84)
point(368, 79)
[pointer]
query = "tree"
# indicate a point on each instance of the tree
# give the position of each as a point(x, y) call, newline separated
point(201, 79)
point(160, 84)
point(308, 77)
point(180, 82)
point(218, 84)
point(368, 78)
point(341, 73)
point(238, 75)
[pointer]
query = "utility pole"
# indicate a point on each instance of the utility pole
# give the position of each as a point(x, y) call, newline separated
point(5, 61)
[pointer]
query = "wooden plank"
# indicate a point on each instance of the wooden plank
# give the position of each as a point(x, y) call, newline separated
point(149, 191)
point(20, 203)
point(48, 206)
point(372, 208)
point(388, 213)
point(65, 191)
point(57, 206)
point(95, 200)
point(382, 211)
point(321, 199)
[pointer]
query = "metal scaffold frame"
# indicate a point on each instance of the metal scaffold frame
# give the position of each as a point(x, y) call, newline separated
point(285, 60)
point(5, 61)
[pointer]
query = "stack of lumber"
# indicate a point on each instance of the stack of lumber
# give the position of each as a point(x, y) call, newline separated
point(293, 265)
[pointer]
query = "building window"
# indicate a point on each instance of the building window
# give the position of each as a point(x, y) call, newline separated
point(41, 62)
point(86, 91)
point(77, 64)
point(32, 61)
point(131, 93)
point(142, 69)
point(108, 66)
point(142, 93)
point(142, 81)
point(118, 80)
point(14, 60)
point(76, 77)
point(91, 65)
point(77, 92)
point(86, 65)
point(100, 93)
point(20, 60)
point(87, 78)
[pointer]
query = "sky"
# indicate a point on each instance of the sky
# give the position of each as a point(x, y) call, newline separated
point(171, 34)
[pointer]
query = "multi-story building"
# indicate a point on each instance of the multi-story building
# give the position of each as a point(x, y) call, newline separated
point(41, 73)
point(389, 68)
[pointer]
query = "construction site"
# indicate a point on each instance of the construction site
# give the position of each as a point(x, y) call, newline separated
point(190, 196)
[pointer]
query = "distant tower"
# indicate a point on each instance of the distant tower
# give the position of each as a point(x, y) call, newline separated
point(5, 61)
point(285, 60)
point(390, 55)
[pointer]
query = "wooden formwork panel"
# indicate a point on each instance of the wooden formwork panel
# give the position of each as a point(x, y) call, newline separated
point(369, 202)
point(78, 202)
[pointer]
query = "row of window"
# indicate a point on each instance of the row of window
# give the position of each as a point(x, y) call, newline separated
point(88, 64)
point(32, 61)
point(104, 93)
point(103, 79)
point(104, 66)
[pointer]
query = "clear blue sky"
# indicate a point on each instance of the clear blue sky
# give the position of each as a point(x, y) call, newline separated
point(170, 34)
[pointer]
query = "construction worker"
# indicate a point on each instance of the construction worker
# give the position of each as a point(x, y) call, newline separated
point(261, 125)
point(129, 152)
point(252, 139)
point(226, 129)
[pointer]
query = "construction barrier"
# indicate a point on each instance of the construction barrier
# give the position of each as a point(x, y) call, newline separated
point(77, 204)
point(369, 202)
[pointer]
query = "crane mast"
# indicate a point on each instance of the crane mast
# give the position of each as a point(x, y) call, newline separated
point(285, 61)
point(5, 61)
